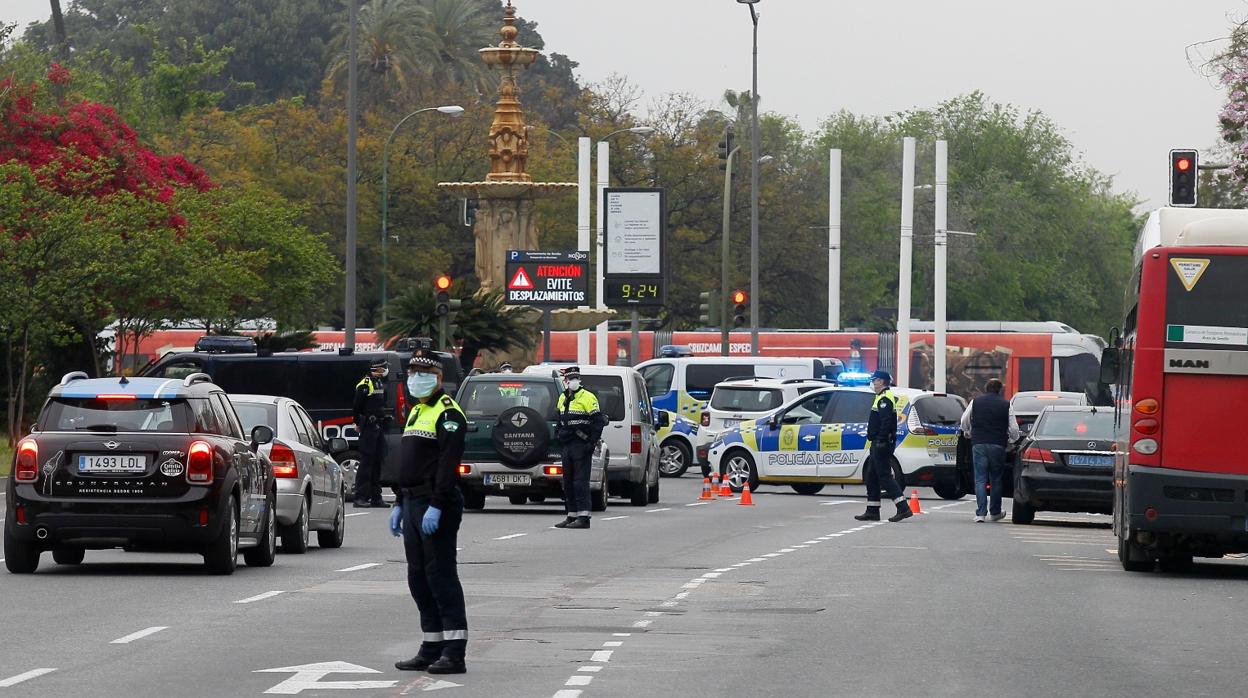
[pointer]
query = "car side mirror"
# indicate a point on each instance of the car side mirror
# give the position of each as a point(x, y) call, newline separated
point(1109, 365)
point(662, 419)
point(261, 434)
point(338, 445)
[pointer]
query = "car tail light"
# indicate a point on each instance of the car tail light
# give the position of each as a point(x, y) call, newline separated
point(21, 514)
point(1147, 406)
point(464, 468)
point(203, 516)
point(401, 403)
point(635, 446)
point(1148, 427)
point(553, 470)
point(1038, 455)
point(706, 419)
point(199, 463)
point(283, 460)
point(27, 463)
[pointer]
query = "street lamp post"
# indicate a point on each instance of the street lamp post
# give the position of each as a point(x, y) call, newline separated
point(453, 110)
point(723, 257)
point(753, 185)
point(348, 311)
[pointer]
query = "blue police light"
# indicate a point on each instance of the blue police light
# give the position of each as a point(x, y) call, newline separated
point(853, 378)
point(674, 351)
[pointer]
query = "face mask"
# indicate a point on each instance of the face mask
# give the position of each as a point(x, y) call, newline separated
point(574, 384)
point(422, 384)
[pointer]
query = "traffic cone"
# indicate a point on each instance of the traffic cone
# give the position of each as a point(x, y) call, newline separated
point(706, 489)
point(714, 483)
point(725, 489)
point(914, 502)
point(746, 499)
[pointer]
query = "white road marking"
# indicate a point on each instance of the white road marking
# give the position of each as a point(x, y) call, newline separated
point(509, 537)
point(139, 635)
point(259, 597)
point(741, 564)
point(358, 513)
point(33, 673)
point(613, 643)
point(697, 504)
point(711, 575)
point(621, 634)
point(832, 504)
point(601, 656)
point(665, 604)
point(357, 568)
point(567, 694)
point(812, 541)
point(614, 518)
point(308, 677)
point(889, 547)
point(654, 614)
point(651, 511)
point(642, 624)
point(579, 680)
point(681, 595)
point(590, 669)
point(757, 559)
point(772, 555)
point(788, 550)
point(724, 569)
point(946, 506)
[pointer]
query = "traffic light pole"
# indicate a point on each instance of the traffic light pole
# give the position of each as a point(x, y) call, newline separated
point(546, 335)
point(754, 194)
point(723, 259)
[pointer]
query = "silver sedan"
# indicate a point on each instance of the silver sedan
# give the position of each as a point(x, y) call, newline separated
point(311, 490)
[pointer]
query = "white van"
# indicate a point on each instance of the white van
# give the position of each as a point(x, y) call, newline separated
point(630, 437)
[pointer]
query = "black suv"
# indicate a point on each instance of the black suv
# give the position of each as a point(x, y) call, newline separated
point(323, 382)
point(142, 464)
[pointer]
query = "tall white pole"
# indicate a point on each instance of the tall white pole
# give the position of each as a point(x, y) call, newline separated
point(604, 181)
point(942, 247)
point(583, 196)
point(834, 240)
point(907, 261)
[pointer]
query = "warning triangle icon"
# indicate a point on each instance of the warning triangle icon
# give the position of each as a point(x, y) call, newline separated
point(1189, 270)
point(520, 282)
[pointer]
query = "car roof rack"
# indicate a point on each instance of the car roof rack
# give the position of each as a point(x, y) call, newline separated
point(196, 378)
point(73, 376)
point(741, 378)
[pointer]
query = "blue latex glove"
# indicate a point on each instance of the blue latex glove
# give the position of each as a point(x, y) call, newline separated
point(396, 520)
point(429, 524)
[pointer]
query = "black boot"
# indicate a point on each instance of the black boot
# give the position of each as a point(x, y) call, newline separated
point(580, 522)
point(447, 665)
point(871, 514)
point(426, 655)
point(903, 512)
point(566, 522)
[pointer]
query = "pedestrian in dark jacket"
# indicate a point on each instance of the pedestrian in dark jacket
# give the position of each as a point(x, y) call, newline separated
point(989, 422)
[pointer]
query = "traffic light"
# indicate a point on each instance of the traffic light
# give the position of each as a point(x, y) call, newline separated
point(1182, 177)
point(707, 305)
point(469, 211)
point(725, 148)
point(739, 308)
point(442, 301)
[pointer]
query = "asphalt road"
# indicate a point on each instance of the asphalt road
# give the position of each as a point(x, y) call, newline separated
point(789, 597)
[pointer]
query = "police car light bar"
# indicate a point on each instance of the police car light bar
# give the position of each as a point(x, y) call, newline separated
point(853, 378)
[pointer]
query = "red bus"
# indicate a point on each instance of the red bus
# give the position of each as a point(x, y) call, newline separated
point(1180, 376)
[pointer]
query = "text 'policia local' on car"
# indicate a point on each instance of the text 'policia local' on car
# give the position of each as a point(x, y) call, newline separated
point(140, 464)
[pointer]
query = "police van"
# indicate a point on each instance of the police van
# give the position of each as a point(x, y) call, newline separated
point(683, 385)
point(820, 439)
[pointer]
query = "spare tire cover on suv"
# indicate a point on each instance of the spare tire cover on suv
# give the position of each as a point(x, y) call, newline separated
point(521, 436)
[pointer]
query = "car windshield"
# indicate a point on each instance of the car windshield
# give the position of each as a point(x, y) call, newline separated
point(254, 414)
point(1032, 404)
point(491, 398)
point(114, 414)
point(1076, 425)
point(734, 399)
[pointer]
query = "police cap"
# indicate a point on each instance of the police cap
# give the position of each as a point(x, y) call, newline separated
point(884, 376)
point(424, 359)
point(571, 372)
point(378, 363)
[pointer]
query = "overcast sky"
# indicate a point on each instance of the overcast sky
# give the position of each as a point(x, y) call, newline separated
point(1113, 74)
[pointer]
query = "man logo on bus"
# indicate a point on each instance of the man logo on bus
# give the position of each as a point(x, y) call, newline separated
point(1189, 363)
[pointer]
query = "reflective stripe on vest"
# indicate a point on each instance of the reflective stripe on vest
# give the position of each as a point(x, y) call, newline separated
point(423, 419)
point(582, 408)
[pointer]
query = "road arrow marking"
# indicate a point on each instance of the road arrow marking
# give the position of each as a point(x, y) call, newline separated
point(308, 677)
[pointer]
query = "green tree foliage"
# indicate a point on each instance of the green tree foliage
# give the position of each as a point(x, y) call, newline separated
point(483, 323)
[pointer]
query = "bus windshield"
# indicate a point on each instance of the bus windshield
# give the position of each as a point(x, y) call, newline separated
point(1211, 313)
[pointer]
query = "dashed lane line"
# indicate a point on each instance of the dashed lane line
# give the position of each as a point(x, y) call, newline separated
point(357, 568)
point(614, 518)
point(259, 597)
point(139, 635)
point(358, 513)
point(33, 673)
point(651, 511)
point(832, 504)
point(510, 536)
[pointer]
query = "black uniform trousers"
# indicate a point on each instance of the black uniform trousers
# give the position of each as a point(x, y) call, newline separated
point(433, 577)
point(577, 457)
point(373, 449)
point(878, 473)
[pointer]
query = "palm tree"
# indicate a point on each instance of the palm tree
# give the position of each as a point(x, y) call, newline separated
point(482, 323)
point(411, 315)
point(452, 33)
point(387, 47)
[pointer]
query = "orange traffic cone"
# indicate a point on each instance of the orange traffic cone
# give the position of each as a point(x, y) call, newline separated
point(725, 489)
point(714, 483)
point(914, 502)
point(746, 499)
point(706, 489)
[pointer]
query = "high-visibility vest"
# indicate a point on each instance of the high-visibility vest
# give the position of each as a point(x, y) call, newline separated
point(422, 421)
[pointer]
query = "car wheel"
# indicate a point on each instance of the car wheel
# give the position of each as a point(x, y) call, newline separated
point(1023, 512)
point(265, 553)
point(350, 463)
point(221, 557)
point(739, 469)
point(69, 556)
point(598, 498)
point(518, 498)
point(474, 499)
point(806, 488)
point(652, 492)
point(674, 458)
point(295, 536)
point(334, 537)
point(1132, 555)
point(19, 557)
point(537, 498)
point(949, 489)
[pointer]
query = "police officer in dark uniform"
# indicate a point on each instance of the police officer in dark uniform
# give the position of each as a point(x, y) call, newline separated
point(371, 422)
point(580, 427)
point(882, 434)
point(427, 512)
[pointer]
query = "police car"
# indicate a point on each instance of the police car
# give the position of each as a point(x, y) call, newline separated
point(740, 399)
point(820, 438)
point(677, 444)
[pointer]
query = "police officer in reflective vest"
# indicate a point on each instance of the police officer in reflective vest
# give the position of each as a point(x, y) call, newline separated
point(371, 420)
point(427, 513)
point(882, 435)
point(580, 427)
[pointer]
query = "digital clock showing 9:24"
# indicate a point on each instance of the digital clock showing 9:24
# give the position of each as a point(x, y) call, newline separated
point(633, 292)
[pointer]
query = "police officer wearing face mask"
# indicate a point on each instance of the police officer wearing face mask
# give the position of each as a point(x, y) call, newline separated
point(427, 513)
point(371, 420)
point(882, 433)
point(580, 427)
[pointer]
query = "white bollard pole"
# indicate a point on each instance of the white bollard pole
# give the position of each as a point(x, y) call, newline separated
point(907, 262)
point(604, 181)
point(942, 261)
point(584, 187)
point(834, 240)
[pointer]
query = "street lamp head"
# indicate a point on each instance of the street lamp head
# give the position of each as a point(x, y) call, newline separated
point(748, 2)
point(765, 159)
point(452, 110)
point(642, 130)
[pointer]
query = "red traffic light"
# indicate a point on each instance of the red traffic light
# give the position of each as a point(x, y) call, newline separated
point(1183, 164)
point(443, 282)
point(739, 297)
